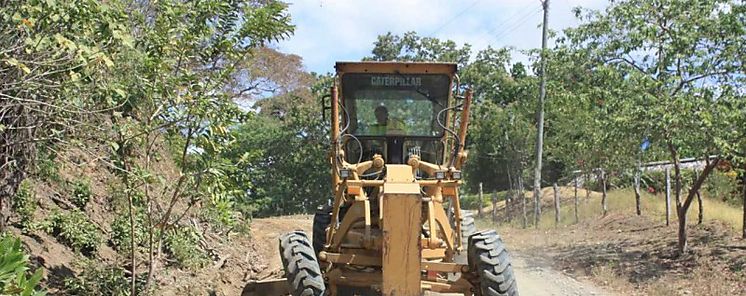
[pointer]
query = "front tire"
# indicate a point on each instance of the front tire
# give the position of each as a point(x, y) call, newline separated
point(490, 263)
point(301, 266)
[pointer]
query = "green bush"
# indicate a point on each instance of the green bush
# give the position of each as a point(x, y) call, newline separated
point(723, 186)
point(46, 166)
point(81, 193)
point(120, 232)
point(182, 244)
point(471, 201)
point(73, 229)
point(102, 280)
point(220, 215)
point(14, 276)
point(24, 204)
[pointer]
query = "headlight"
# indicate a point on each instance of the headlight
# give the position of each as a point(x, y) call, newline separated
point(345, 173)
point(440, 175)
point(456, 175)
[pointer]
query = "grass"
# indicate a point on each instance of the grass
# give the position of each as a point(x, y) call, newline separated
point(623, 201)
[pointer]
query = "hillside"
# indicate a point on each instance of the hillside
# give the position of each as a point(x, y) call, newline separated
point(211, 260)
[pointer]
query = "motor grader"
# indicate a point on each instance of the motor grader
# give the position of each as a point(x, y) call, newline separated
point(394, 225)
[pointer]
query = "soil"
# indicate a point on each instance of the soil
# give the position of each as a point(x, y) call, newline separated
point(635, 255)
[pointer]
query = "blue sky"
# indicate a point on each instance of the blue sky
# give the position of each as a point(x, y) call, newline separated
point(344, 30)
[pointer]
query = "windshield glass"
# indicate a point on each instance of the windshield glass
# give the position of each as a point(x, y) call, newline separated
point(395, 104)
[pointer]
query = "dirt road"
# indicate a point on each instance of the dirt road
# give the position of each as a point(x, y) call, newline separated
point(535, 277)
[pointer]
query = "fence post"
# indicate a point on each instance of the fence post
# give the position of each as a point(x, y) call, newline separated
point(494, 206)
point(668, 196)
point(637, 191)
point(481, 199)
point(556, 204)
point(577, 219)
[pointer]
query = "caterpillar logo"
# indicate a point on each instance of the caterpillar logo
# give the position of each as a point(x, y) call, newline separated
point(395, 81)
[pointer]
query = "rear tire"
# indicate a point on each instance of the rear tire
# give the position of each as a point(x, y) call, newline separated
point(301, 266)
point(321, 221)
point(490, 265)
point(468, 227)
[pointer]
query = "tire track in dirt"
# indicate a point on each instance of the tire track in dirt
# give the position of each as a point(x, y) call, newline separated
point(265, 233)
point(536, 278)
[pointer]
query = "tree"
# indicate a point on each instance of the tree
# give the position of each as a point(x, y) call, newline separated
point(685, 60)
point(53, 54)
point(411, 47)
point(583, 129)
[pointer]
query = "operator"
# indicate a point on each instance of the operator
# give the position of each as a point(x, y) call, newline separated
point(383, 125)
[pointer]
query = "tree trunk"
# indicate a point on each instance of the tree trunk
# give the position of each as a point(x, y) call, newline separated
point(668, 196)
point(604, 205)
point(682, 209)
point(577, 218)
point(700, 205)
point(700, 214)
point(556, 204)
point(682, 244)
point(637, 192)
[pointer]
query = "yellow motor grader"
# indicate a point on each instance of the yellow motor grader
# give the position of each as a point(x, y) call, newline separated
point(394, 225)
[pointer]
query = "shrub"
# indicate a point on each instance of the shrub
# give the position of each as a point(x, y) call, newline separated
point(220, 215)
point(14, 276)
point(104, 280)
point(46, 166)
point(724, 186)
point(74, 230)
point(472, 202)
point(24, 204)
point(81, 193)
point(182, 244)
point(120, 232)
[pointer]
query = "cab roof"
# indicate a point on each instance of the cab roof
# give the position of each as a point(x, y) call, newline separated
point(396, 67)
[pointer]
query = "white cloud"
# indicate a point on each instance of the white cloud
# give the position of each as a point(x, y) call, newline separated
point(332, 30)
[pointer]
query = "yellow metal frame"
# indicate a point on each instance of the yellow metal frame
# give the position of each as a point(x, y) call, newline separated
point(387, 250)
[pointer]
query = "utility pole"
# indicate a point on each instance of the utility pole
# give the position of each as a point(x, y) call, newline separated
point(540, 116)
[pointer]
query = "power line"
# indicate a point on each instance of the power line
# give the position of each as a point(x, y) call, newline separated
point(522, 20)
point(454, 17)
point(509, 19)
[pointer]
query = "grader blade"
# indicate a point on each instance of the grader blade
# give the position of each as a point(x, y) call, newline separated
point(267, 287)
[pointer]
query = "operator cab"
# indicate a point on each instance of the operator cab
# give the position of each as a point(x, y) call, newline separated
point(395, 110)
